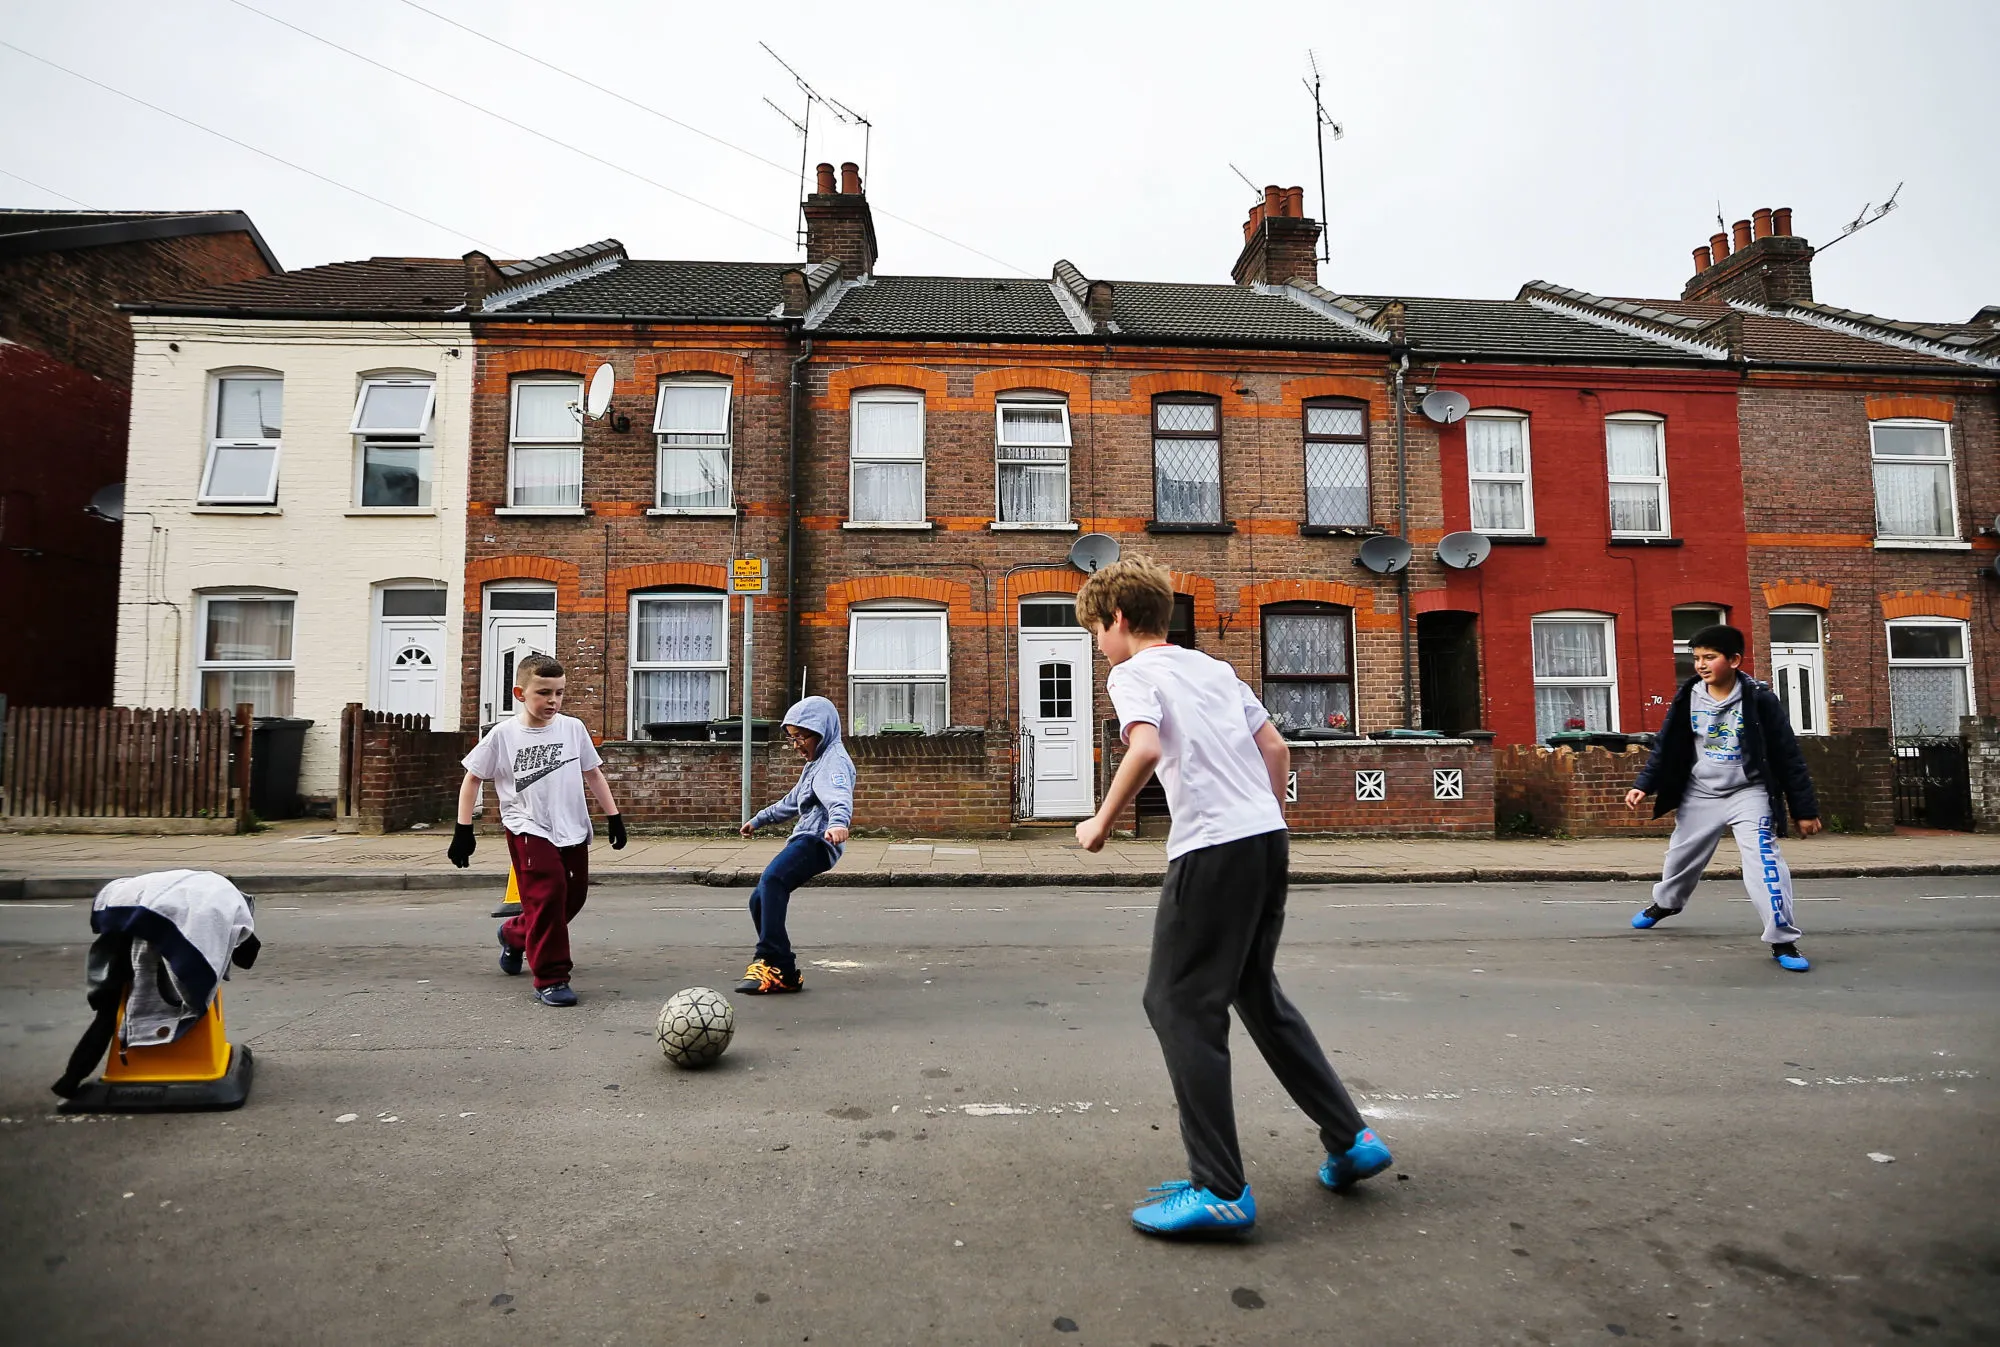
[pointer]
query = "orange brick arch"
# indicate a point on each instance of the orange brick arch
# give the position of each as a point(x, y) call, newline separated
point(1182, 381)
point(562, 574)
point(1254, 597)
point(497, 367)
point(658, 575)
point(648, 366)
point(1798, 593)
point(1292, 392)
point(1053, 581)
point(1926, 603)
point(1922, 409)
point(988, 384)
point(842, 383)
point(954, 595)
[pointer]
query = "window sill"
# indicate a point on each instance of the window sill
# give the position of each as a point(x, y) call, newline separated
point(1160, 526)
point(1517, 540)
point(1009, 526)
point(1617, 541)
point(1921, 545)
point(889, 526)
point(369, 511)
point(541, 511)
point(1338, 531)
point(706, 512)
point(237, 509)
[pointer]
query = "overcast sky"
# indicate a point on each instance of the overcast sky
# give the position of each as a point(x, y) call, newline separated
point(1486, 143)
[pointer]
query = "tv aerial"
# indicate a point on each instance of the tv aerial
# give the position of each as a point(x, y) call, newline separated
point(1463, 550)
point(1444, 406)
point(1384, 554)
point(1093, 552)
point(1864, 218)
point(108, 504)
point(1323, 123)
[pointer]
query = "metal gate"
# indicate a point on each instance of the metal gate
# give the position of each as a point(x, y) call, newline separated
point(1933, 784)
point(1024, 776)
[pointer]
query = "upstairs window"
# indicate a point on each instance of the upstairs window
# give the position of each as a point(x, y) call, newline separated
point(886, 452)
point(1497, 474)
point(1914, 498)
point(898, 672)
point(1308, 667)
point(392, 421)
point(1336, 435)
point(680, 660)
point(1031, 446)
point(1187, 460)
point(246, 652)
point(1636, 445)
point(545, 458)
point(1576, 673)
point(244, 441)
point(691, 420)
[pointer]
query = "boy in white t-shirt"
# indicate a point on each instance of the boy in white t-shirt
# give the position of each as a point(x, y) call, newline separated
point(1215, 938)
point(540, 763)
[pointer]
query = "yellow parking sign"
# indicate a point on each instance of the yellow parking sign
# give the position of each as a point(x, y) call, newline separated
point(746, 575)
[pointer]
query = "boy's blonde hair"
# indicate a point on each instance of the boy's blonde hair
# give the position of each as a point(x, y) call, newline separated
point(1138, 587)
point(536, 666)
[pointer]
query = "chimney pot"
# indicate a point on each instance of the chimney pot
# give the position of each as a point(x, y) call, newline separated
point(1781, 222)
point(825, 184)
point(1742, 229)
point(850, 180)
point(1295, 202)
point(1719, 245)
point(1702, 261)
point(1761, 222)
point(1255, 219)
point(1274, 201)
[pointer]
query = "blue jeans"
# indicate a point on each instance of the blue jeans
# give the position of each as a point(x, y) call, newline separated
point(802, 858)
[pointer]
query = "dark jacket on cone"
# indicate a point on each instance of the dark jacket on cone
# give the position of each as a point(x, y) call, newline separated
point(1771, 756)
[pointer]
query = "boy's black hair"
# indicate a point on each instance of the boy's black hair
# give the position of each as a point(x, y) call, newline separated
point(1723, 640)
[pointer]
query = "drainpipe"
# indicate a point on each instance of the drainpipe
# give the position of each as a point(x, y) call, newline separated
point(1403, 531)
point(792, 519)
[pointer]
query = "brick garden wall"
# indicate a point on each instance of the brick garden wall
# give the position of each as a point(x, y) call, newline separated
point(1579, 794)
point(1854, 776)
point(407, 772)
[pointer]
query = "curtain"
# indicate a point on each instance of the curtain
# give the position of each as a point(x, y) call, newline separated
point(888, 493)
point(1925, 703)
point(888, 429)
point(693, 479)
point(1301, 706)
point(905, 644)
point(1635, 448)
point(269, 691)
point(394, 409)
point(679, 631)
point(249, 409)
point(1493, 445)
point(1912, 500)
point(695, 409)
point(1570, 650)
point(1033, 495)
point(395, 474)
point(1499, 507)
point(1635, 507)
point(1188, 482)
point(677, 696)
point(542, 412)
point(1305, 643)
point(242, 474)
point(248, 629)
point(1336, 482)
point(545, 477)
point(1032, 424)
point(873, 705)
point(1557, 708)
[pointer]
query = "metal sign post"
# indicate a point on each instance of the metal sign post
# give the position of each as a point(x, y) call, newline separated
point(747, 577)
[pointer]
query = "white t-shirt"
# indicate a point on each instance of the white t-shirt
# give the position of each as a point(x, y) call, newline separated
point(538, 774)
point(1217, 785)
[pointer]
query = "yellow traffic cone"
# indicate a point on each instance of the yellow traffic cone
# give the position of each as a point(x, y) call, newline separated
point(201, 1069)
point(510, 906)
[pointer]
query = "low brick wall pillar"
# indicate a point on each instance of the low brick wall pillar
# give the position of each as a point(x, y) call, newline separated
point(1982, 761)
point(407, 772)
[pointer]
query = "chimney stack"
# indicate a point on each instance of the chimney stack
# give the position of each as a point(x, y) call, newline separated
point(839, 227)
point(1279, 241)
point(1768, 264)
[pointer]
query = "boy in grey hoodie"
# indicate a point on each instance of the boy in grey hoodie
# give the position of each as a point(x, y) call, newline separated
point(823, 801)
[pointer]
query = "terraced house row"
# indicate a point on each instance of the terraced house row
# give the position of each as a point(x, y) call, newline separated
point(378, 482)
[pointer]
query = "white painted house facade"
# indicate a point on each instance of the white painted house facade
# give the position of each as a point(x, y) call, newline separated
point(295, 519)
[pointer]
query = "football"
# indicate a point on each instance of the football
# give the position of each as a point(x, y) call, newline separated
point(696, 1025)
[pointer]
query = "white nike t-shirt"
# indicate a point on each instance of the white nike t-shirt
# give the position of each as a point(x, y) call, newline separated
point(1218, 788)
point(538, 774)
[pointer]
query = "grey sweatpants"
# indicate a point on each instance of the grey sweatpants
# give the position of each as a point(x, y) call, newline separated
point(1215, 940)
point(1699, 824)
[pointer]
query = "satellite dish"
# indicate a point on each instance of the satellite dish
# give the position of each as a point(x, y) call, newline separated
point(1093, 552)
point(108, 504)
point(599, 396)
point(1384, 554)
point(1444, 406)
point(1464, 550)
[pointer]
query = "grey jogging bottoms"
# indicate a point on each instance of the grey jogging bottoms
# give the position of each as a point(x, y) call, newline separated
point(1215, 940)
point(1699, 824)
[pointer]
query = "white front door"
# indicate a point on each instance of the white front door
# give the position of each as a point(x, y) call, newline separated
point(1798, 677)
point(1055, 714)
point(510, 638)
point(412, 661)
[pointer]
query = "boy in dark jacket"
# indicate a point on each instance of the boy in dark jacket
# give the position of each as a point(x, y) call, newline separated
point(1727, 761)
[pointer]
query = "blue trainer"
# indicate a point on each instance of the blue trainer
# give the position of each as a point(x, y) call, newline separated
point(1789, 958)
point(1183, 1210)
point(558, 995)
point(510, 958)
point(1366, 1158)
point(1652, 916)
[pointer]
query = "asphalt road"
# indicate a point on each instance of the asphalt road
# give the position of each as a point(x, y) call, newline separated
point(1600, 1135)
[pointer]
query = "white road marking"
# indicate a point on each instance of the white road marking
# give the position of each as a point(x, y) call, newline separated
point(1386, 904)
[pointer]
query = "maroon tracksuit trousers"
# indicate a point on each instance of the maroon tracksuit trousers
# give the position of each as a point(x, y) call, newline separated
point(553, 881)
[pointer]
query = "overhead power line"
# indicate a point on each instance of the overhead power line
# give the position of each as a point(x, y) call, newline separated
point(246, 145)
point(502, 117)
point(692, 129)
point(50, 190)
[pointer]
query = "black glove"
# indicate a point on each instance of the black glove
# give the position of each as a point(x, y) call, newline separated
point(462, 843)
point(614, 826)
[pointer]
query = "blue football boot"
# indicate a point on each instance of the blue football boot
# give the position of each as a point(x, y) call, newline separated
point(1183, 1210)
point(1789, 958)
point(1366, 1158)
point(1652, 916)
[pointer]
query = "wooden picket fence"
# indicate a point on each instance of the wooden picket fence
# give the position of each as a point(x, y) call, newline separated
point(124, 762)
